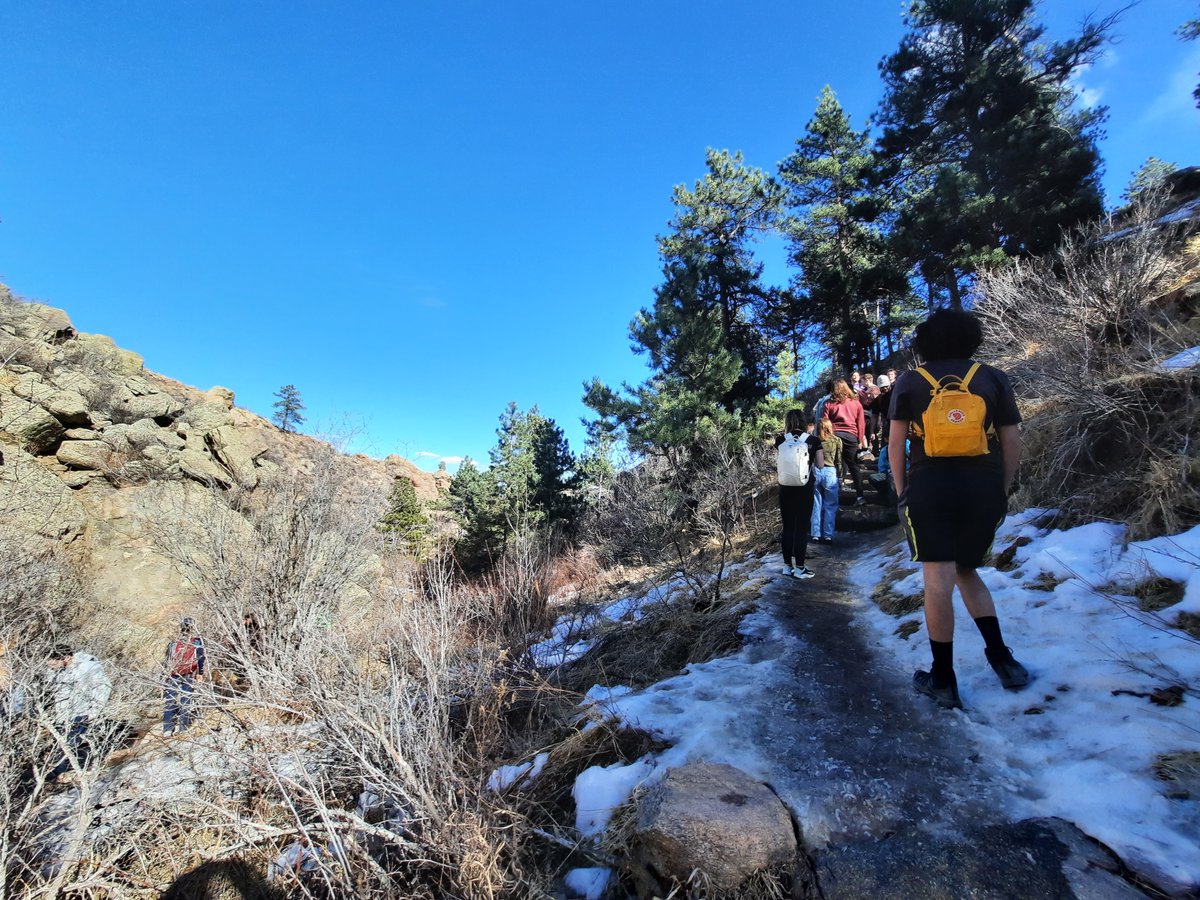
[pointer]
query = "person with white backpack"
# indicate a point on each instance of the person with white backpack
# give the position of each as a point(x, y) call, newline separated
point(799, 456)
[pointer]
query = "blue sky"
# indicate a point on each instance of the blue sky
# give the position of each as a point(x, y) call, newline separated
point(418, 212)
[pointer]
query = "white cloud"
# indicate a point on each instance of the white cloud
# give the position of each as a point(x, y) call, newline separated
point(1088, 95)
point(448, 460)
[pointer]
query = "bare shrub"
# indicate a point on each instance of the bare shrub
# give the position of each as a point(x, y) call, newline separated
point(684, 511)
point(1082, 333)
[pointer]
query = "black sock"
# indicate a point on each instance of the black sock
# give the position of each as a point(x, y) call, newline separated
point(989, 627)
point(943, 662)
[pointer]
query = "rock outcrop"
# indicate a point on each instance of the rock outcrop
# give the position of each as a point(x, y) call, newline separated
point(86, 431)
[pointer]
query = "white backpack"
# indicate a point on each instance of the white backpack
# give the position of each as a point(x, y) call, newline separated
point(792, 462)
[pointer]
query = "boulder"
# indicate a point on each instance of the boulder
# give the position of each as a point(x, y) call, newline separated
point(206, 417)
point(221, 395)
point(104, 348)
point(203, 468)
point(148, 406)
point(77, 478)
point(68, 407)
point(96, 455)
point(237, 449)
point(45, 324)
point(34, 501)
point(81, 434)
point(712, 818)
point(145, 433)
point(74, 381)
point(26, 424)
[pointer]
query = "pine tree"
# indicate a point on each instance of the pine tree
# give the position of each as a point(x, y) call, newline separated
point(405, 519)
point(1148, 177)
point(710, 359)
point(475, 500)
point(1189, 31)
point(848, 278)
point(288, 408)
point(979, 118)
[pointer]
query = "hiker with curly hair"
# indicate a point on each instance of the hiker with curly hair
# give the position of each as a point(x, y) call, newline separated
point(960, 421)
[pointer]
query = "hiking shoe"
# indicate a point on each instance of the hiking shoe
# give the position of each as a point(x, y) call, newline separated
point(827, 540)
point(1010, 672)
point(861, 501)
point(804, 572)
point(946, 697)
point(788, 570)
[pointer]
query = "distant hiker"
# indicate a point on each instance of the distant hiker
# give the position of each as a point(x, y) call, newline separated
point(849, 424)
point(799, 455)
point(826, 489)
point(79, 691)
point(856, 382)
point(961, 419)
point(870, 393)
point(819, 409)
point(183, 663)
point(879, 409)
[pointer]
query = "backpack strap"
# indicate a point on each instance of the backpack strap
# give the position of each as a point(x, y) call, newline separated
point(970, 373)
point(928, 377)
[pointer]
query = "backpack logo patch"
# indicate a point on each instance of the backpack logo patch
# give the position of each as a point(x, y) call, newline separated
point(956, 416)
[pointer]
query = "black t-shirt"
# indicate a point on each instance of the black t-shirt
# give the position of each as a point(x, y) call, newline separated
point(912, 393)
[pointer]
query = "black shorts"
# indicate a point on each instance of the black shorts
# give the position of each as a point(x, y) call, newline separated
point(950, 513)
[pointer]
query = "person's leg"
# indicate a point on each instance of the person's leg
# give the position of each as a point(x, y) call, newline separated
point(850, 454)
point(814, 529)
point(975, 594)
point(805, 504)
point(830, 508)
point(788, 508)
point(186, 687)
point(939, 605)
point(170, 704)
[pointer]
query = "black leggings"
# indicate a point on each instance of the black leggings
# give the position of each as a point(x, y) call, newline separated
point(795, 505)
point(850, 460)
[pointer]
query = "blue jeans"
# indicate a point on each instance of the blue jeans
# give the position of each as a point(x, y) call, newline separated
point(825, 502)
point(77, 747)
point(177, 703)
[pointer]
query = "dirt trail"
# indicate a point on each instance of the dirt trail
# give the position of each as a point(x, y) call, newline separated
point(858, 754)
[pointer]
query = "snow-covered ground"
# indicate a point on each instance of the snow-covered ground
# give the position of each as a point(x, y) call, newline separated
point(1080, 742)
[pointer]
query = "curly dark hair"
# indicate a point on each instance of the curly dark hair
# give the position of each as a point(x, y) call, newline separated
point(948, 334)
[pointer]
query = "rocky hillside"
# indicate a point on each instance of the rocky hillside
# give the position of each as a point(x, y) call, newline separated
point(88, 434)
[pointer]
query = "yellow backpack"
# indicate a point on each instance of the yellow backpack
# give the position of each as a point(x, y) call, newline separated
point(953, 423)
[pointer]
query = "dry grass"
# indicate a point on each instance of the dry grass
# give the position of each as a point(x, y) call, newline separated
point(1156, 594)
point(1107, 432)
point(669, 637)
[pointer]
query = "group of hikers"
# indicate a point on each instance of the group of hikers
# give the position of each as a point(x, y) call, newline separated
point(946, 440)
point(75, 690)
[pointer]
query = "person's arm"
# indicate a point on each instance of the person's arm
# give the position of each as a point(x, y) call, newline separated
point(1010, 451)
point(897, 457)
point(820, 458)
point(861, 419)
point(199, 658)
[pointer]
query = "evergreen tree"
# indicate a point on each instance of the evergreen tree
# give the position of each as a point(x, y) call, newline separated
point(979, 118)
point(534, 468)
point(475, 500)
point(405, 519)
point(1148, 177)
point(1189, 31)
point(710, 358)
point(288, 408)
point(848, 276)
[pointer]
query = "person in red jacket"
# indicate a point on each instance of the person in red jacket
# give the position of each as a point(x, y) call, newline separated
point(845, 413)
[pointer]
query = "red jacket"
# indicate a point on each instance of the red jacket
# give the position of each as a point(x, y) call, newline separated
point(847, 416)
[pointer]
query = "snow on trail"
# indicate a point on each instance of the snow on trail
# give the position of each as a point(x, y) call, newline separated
point(1068, 745)
point(818, 701)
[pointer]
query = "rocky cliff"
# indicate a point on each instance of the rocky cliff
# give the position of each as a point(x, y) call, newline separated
point(89, 436)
